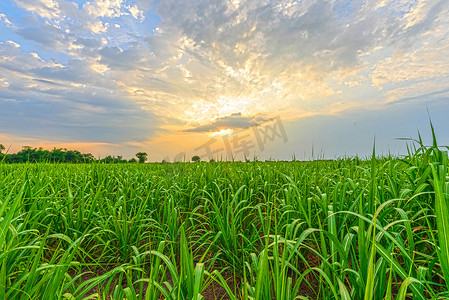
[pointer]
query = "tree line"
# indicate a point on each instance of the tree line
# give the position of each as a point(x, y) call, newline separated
point(62, 155)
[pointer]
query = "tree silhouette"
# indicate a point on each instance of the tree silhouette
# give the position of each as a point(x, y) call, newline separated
point(196, 158)
point(57, 155)
point(142, 156)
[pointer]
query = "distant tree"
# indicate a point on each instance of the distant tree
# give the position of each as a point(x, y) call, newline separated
point(196, 158)
point(71, 156)
point(27, 154)
point(58, 155)
point(132, 160)
point(142, 157)
point(211, 160)
point(2, 148)
point(108, 159)
point(87, 157)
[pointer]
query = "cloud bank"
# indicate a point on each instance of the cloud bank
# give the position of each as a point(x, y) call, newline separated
point(234, 121)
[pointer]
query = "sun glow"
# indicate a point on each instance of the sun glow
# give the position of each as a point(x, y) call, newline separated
point(222, 132)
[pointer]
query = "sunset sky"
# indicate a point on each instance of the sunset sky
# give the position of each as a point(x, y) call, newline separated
point(175, 78)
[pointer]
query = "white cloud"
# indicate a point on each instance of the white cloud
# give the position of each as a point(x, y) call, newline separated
point(104, 8)
point(4, 19)
point(136, 12)
point(417, 13)
point(71, 101)
point(98, 27)
point(4, 82)
point(12, 59)
point(14, 44)
point(203, 53)
point(99, 68)
point(48, 9)
point(425, 61)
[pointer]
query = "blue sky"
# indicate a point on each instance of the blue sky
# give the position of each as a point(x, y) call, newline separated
point(115, 77)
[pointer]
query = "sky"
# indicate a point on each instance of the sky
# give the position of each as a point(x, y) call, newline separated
point(272, 79)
